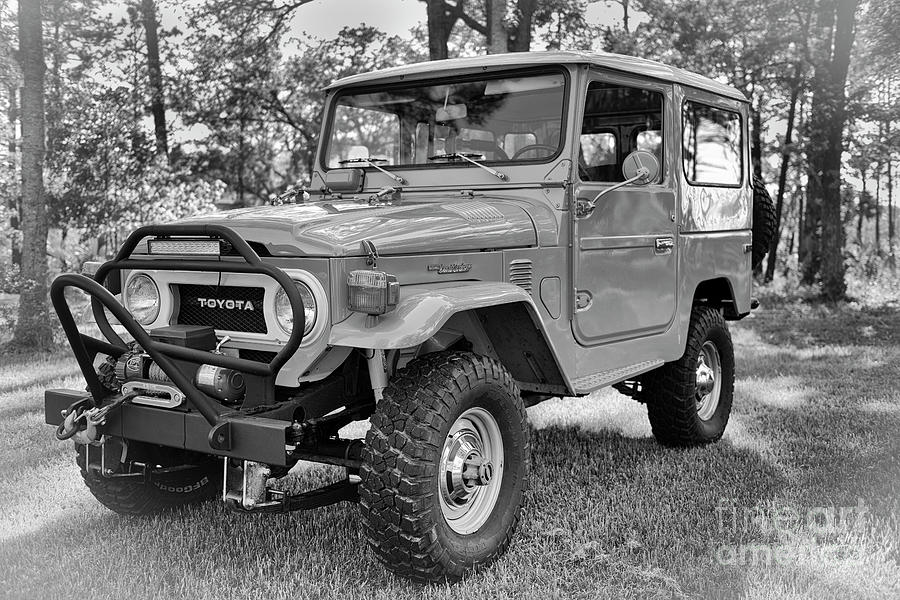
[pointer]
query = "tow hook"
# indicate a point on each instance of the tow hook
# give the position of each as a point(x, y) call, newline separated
point(81, 422)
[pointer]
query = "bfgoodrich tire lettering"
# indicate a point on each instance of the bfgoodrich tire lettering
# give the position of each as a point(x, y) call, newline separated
point(400, 488)
point(675, 400)
point(163, 492)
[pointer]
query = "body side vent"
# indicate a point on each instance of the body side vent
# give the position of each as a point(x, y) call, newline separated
point(520, 273)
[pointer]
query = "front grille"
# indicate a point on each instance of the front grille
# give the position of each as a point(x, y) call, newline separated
point(230, 308)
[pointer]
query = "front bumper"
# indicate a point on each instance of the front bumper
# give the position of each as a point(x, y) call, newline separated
point(252, 438)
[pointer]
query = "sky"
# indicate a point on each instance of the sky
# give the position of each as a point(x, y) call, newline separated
point(324, 18)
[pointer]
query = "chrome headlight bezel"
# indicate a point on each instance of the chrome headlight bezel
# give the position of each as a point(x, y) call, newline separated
point(144, 315)
point(282, 308)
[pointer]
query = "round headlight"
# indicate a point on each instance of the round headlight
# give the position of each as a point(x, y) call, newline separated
point(283, 309)
point(142, 299)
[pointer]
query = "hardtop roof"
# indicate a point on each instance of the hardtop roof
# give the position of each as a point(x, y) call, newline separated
point(617, 62)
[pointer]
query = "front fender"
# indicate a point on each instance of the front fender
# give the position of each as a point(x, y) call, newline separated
point(422, 312)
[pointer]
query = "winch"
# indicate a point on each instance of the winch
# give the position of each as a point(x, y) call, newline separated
point(137, 374)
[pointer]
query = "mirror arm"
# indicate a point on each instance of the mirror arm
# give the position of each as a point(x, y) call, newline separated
point(585, 208)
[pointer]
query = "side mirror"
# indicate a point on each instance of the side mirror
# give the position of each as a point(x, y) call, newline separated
point(640, 167)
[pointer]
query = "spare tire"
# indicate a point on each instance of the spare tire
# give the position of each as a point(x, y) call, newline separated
point(764, 221)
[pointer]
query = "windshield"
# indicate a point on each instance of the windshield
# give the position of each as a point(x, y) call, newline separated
point(493, 119)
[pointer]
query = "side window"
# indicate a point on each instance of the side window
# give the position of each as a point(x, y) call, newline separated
point(649, 140)
point(618, 120)
point(711, 145)
point(599, 149)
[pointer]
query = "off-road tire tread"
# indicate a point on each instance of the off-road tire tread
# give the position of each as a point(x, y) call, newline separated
point(396, 492)
point(765, 221)
point(135, 498)
point(669, 390)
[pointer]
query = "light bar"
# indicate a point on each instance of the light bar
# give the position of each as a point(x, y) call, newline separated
point(192, 247)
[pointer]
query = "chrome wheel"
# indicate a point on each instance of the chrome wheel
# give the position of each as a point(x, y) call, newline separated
point(709, 380)
point(470, 471)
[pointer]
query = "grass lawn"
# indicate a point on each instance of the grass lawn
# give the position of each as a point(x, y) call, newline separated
point(815, 427)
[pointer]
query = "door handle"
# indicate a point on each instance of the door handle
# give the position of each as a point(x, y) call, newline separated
point(664, 245)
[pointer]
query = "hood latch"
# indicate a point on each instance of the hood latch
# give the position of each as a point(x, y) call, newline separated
point(371, 252)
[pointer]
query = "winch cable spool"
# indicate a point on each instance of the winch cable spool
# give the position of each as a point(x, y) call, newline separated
point(227, 385)
point(154, 373)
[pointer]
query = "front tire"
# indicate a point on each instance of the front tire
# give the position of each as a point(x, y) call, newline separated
point(445, 467)
point(689, 400)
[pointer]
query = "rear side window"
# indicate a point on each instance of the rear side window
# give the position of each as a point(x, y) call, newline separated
point(711, 145)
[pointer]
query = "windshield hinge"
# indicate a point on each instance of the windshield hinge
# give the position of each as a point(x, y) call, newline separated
point(380, 197)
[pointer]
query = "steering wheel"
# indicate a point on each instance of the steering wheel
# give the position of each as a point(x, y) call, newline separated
point(485, 146)
point(531, 148)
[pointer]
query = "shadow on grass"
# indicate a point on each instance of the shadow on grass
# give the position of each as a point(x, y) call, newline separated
point(822, 390)
point(608, 514)
point(18, 371)
point(604, 511)
point(818, 324)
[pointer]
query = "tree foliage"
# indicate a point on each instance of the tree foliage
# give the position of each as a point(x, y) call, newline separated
point(226, 108)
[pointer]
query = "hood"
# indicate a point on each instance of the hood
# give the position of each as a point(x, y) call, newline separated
point(338, 228)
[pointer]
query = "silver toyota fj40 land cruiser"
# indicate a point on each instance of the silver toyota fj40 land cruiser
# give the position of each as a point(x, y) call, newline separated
point(480, 234)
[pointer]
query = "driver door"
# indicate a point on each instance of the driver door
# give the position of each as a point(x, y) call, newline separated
point(625, 251)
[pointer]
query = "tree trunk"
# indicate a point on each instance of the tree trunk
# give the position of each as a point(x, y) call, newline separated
point(878, 168)
point(824, 255)
point(154, 69)
point(756, 138)
point(440, 21)
point(861, 207)
point(33, 324)
point(782, 180)
point(811, 255)
point(15, 249)
point(520, 35)
point(834, 286)
point(496, 12)
point(890, 174)
point(801, 222)
point(890, 195)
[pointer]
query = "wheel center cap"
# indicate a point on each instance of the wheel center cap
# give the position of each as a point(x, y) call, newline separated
point(706, 379)
point(477, 470)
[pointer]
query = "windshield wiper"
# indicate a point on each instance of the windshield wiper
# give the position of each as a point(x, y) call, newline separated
point(467, 156)
point(371, 162)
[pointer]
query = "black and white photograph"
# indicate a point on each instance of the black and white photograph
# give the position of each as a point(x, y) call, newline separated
point(441, 299)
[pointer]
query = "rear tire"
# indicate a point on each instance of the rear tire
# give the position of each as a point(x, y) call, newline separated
point(429, 511)
point(134, 497)
point(689, 400)
point(765, 221)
